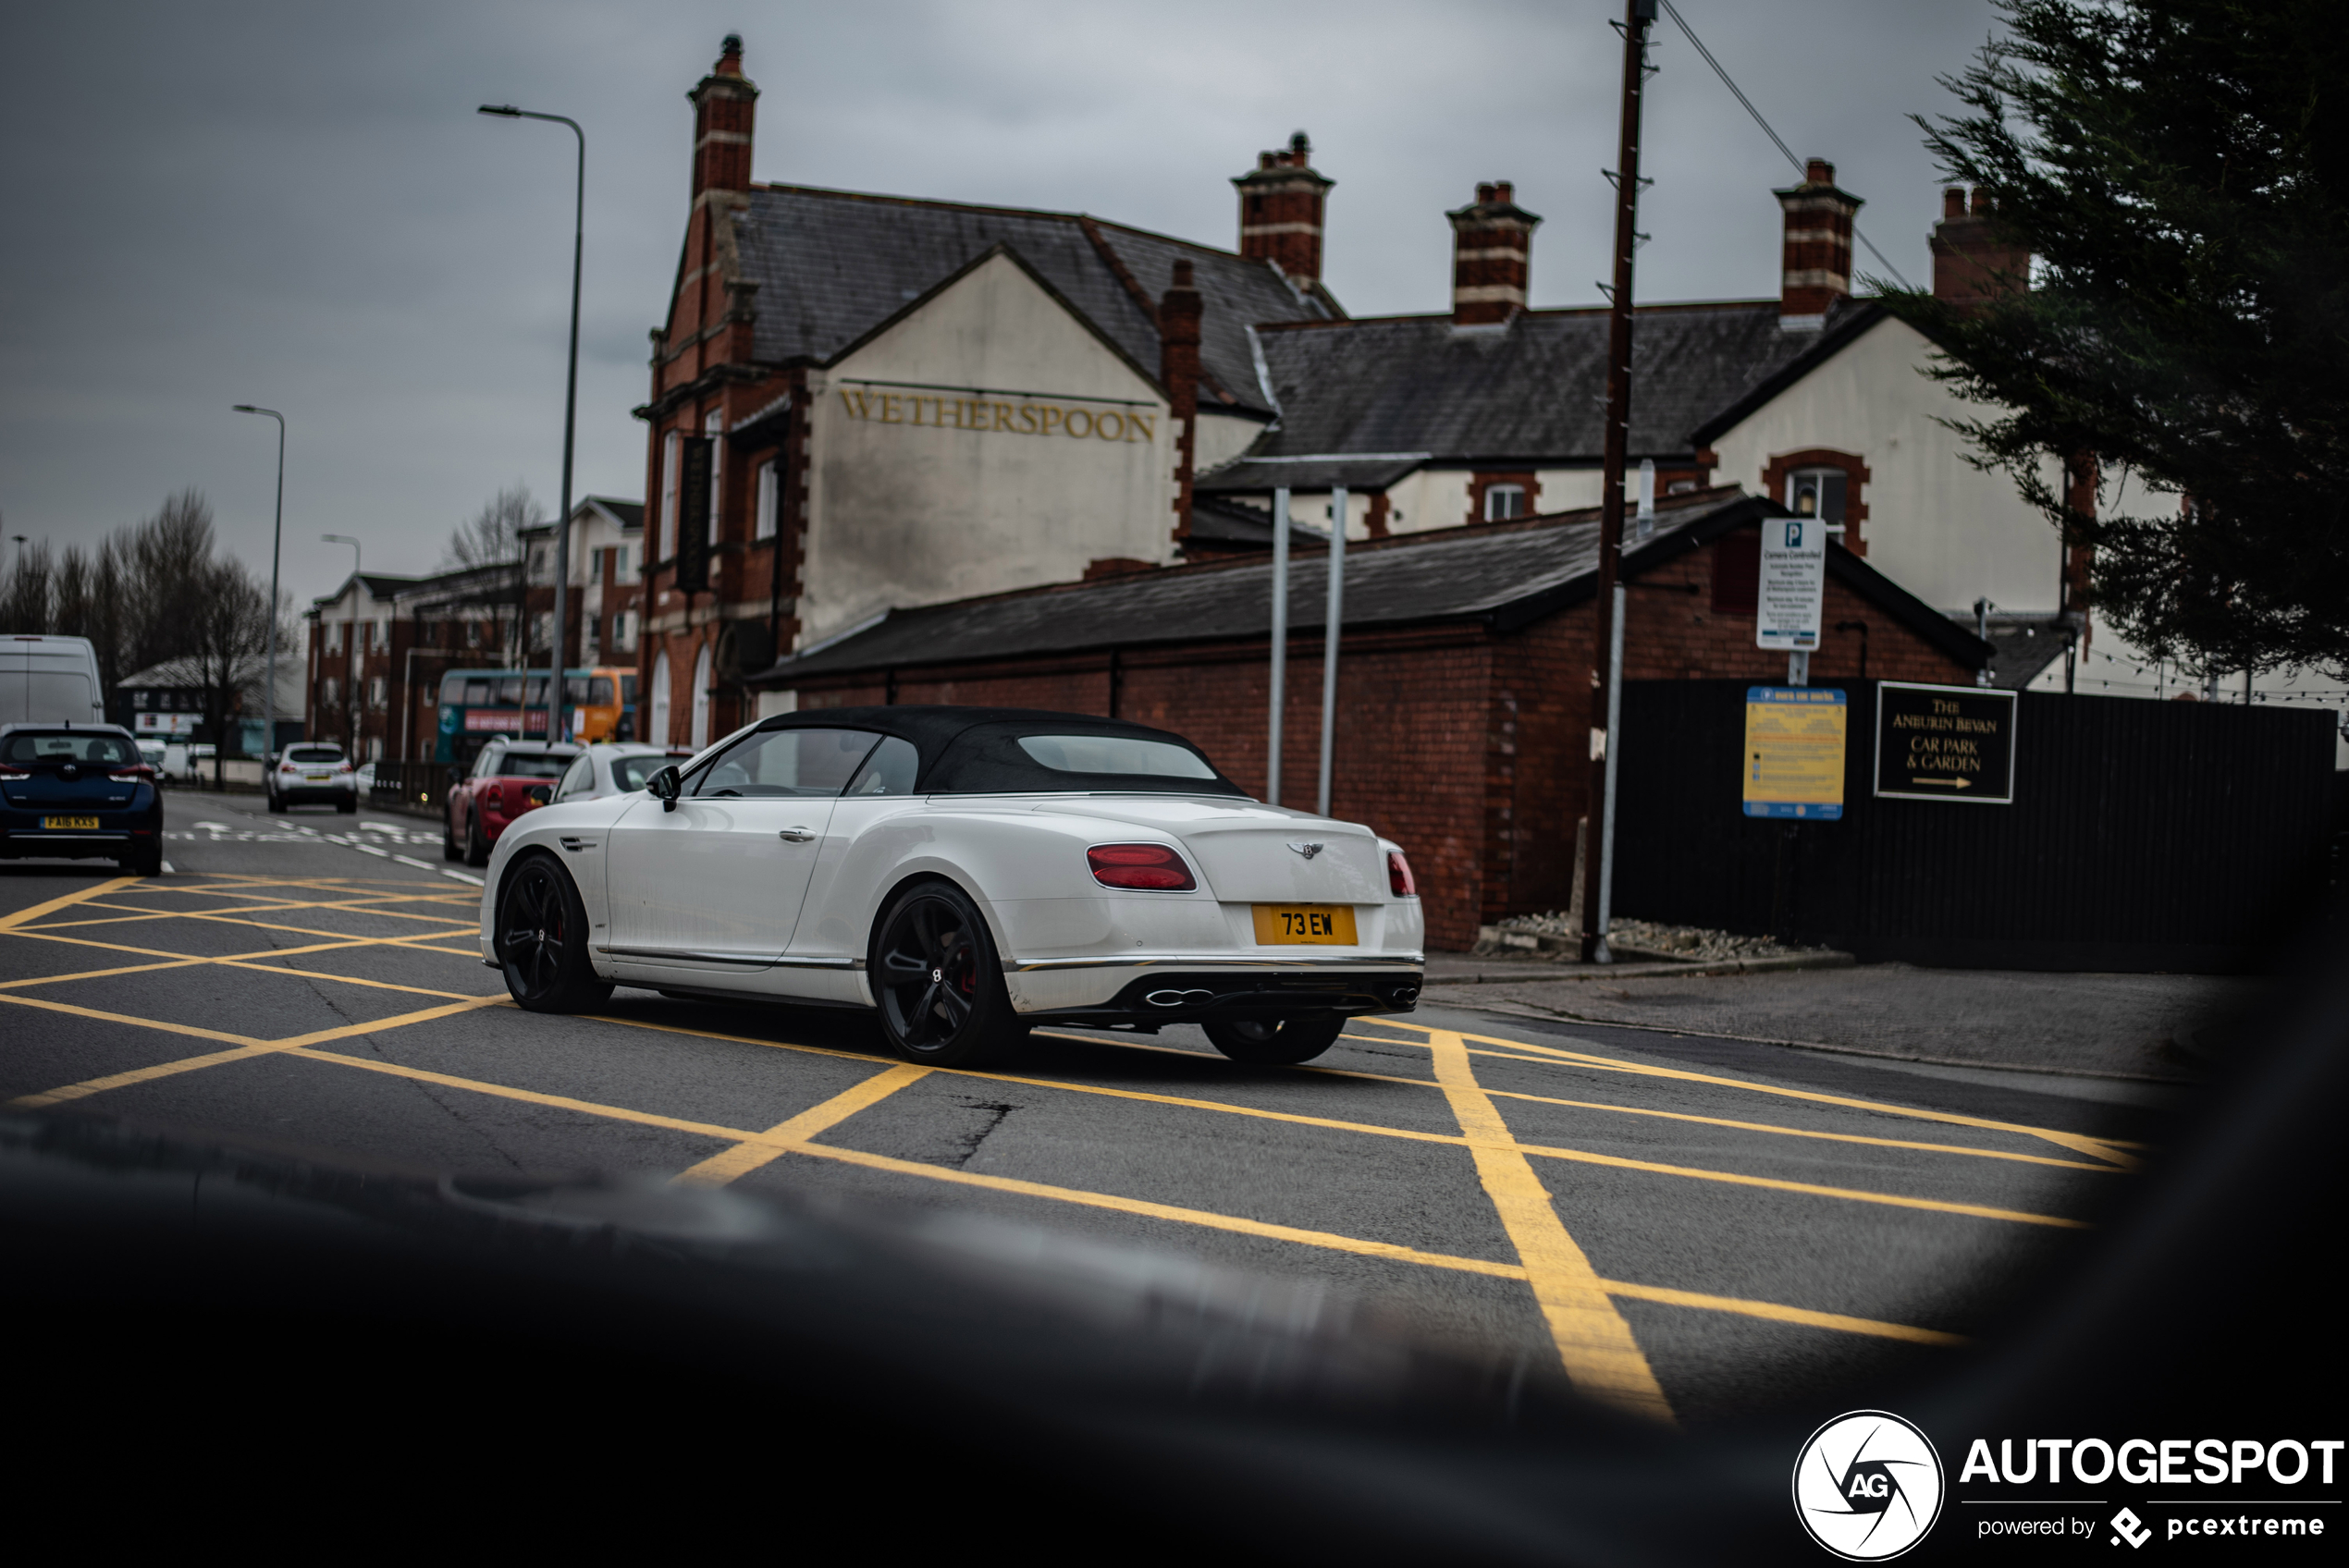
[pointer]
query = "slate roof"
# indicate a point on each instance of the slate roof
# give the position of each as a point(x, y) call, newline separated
point(1506, 575)
point(832, 265)
point(1408, 390)
point(249, 676)
point(1230, 525)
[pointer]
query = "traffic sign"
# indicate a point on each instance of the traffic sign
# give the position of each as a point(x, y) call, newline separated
point(1945, 743)
point(1793, 763)
point(1794, 568)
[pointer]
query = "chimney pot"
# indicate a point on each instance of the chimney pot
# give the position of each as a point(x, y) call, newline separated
point(1815, 269)
point(1973, 262)
point(725, 111)
point(1281, 204)
point(1491, 256)
point(1182, 274)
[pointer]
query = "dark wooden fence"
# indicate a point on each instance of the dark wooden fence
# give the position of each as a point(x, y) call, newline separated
point(2142, 835)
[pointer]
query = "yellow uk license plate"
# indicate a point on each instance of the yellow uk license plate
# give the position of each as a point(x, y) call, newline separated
point(1322, 925)
point(69, 822)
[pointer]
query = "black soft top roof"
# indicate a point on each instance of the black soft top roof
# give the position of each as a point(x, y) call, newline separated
point(975, 750)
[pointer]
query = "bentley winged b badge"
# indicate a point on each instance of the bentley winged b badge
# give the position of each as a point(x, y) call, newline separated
point(1307, 850)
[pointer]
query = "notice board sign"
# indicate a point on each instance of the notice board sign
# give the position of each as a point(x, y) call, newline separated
point(1793, 583)
point(1794, 738)
point(1945, 743)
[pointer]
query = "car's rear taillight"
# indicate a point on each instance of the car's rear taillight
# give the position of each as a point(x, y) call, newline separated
point(287, 767)
point(1399, 880)
point(132, 774)
point(343, 766)
point(10, 772)
point(1151, 867)
point(494, 798)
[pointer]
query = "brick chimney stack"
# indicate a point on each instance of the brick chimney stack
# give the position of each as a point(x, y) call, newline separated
point(1281, 202)
point(1178, 317)
point(1972, 264)
point(1817, 270)
point(1492, 256)
point(725, 105)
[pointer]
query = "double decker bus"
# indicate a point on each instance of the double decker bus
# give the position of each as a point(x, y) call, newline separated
point(479, 704)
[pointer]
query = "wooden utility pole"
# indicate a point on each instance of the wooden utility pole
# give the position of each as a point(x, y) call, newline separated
point(1638, 15)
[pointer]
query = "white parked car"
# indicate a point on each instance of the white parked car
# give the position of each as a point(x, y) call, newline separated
point(614, 767)
point(967, 873)
point(313, 772)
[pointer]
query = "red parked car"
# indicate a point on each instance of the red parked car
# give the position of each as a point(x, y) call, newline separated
point(509, 779)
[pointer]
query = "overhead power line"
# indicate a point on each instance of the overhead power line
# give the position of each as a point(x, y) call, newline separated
point(1682, 22)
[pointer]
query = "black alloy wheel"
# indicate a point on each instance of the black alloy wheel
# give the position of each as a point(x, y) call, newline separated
point(542, 940)
point(476, 845)
point(938, 983)
point(1275, 1041)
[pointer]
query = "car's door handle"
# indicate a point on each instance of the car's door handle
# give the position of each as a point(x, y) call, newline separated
point(795, 835)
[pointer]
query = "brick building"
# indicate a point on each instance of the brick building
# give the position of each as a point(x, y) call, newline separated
point(1462, 719)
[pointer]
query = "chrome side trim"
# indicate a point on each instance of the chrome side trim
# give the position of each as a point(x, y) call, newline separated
point(1217, 960)
point(678, 955)
point(747, 960)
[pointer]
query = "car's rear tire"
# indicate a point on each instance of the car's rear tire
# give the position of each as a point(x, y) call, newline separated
point(348, 807)
point(935, 973)
point(146, 862)
point(541, 938)
point(277, 804)
point(1275, 1042)
point(476, 845)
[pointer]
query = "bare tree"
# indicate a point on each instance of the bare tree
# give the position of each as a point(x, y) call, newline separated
point(231, 626)
point(25, 599)
point(491, 535)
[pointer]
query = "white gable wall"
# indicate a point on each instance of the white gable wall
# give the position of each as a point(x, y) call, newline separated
point(1942, 529)
point(943, 463)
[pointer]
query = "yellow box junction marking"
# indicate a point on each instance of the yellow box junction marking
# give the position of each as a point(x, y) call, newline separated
point(745, 1157)
point(1594, 1344)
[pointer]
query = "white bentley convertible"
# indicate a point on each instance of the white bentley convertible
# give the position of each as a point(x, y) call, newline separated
point(967, 873)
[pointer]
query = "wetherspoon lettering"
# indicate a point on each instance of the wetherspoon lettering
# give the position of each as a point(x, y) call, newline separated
point(951, 411)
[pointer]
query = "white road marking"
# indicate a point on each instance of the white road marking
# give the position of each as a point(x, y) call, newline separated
point(166, 868)
point(371, 849)
point(215, 827)
point(462, 877)
point(419, 864)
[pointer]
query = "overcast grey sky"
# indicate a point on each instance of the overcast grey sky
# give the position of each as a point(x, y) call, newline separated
point(295, 204)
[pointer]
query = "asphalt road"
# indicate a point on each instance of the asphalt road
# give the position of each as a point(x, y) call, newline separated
point(1692, 1226)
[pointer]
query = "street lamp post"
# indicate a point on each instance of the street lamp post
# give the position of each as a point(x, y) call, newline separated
point(351, 655)
point(276, 539)
point(555, 693)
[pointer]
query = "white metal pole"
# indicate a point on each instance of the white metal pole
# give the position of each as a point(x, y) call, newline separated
point(1600, 953)
point(1336, 621)
point(1280, 645)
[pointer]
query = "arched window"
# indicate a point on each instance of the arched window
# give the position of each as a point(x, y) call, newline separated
point(1818, 492)
point(658, 730)
point(700, 736)
point(1503, 501)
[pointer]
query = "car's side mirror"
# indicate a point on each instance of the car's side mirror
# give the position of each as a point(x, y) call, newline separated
point(665, 787)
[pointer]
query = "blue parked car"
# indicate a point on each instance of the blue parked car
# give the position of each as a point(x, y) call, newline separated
point(79, 790)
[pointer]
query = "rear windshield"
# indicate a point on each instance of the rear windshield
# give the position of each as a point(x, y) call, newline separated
point(540, 766)
point(62, 747)
point(314, 753)
point(1115, 753)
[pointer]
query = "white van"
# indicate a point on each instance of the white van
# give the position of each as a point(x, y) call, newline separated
point(49, 681)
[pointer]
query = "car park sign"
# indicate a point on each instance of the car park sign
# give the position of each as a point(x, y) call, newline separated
point(1793, 585)
point(1945, 743)
point(1793, 758)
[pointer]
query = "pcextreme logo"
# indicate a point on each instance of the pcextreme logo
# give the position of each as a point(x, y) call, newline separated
point(1867, 1486)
